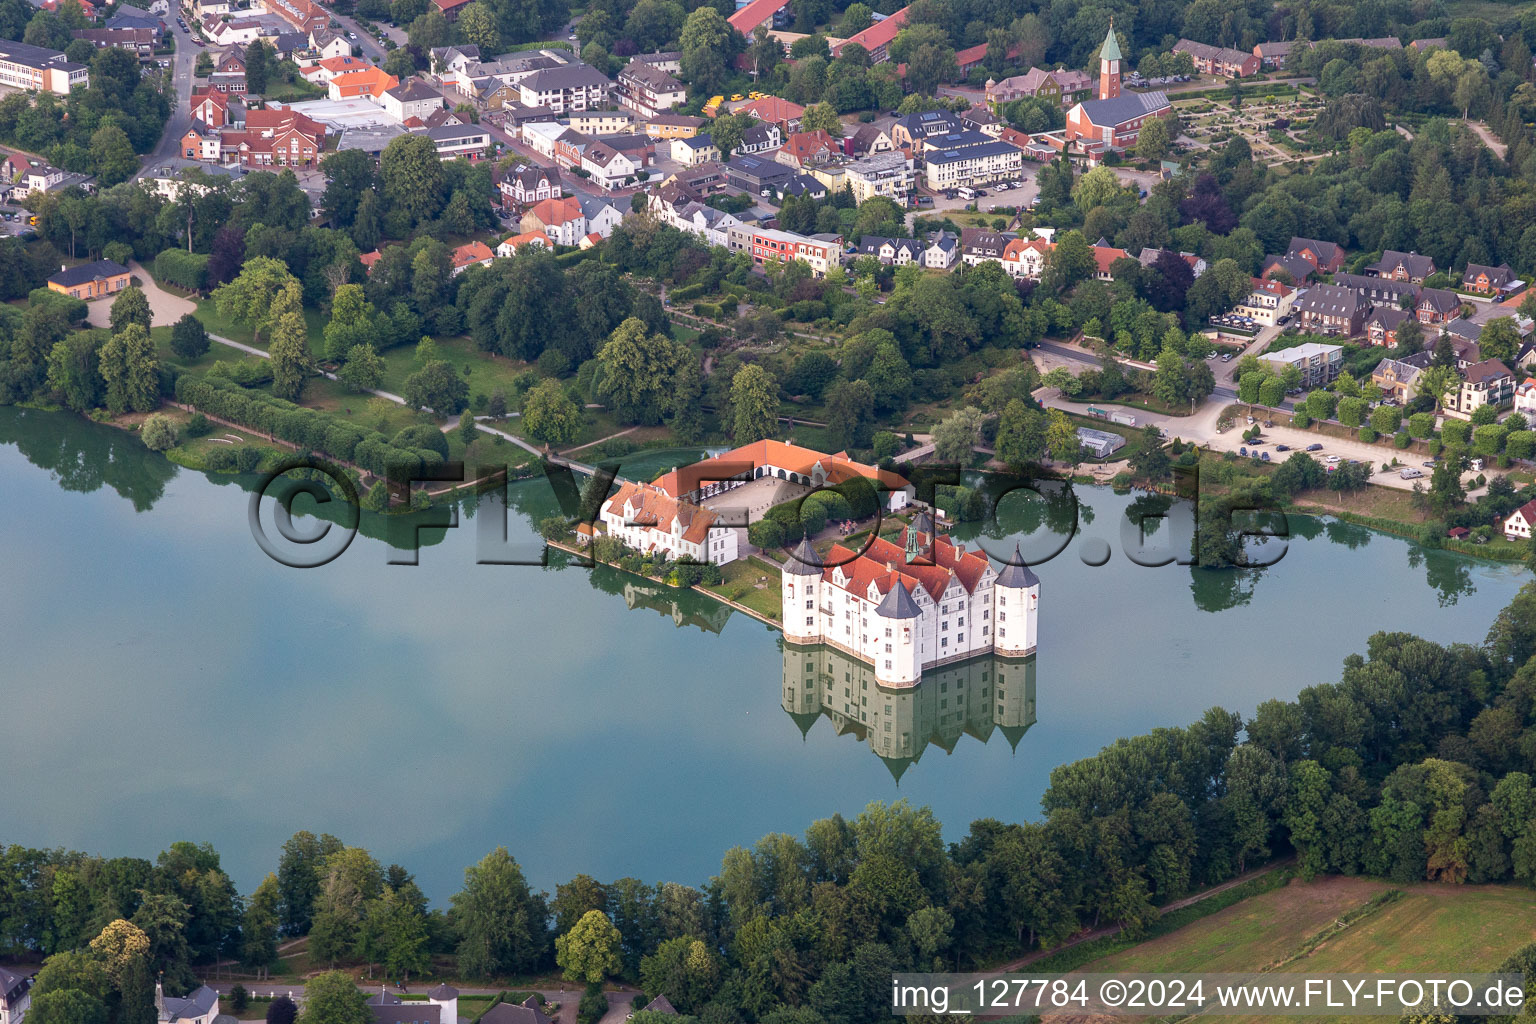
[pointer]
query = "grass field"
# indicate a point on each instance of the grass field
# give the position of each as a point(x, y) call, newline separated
point(216, 323)
point(488, 373)
point(1432, 928)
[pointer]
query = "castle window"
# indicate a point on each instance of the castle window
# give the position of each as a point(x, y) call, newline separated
point(1002, 616)
point(986, 614)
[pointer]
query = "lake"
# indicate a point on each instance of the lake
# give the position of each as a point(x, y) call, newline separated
point(166, 680)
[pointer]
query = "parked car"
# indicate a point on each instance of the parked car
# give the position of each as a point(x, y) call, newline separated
point(1264, 456)
point(1430, 463)
point(1314, 447)
point(1242, 450)
point(925, 200)
point(1282, 447)
point(1226, 357)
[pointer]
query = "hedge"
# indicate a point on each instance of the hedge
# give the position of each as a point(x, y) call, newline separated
point(184, 269)
point(1456, 432)
point(306, 428)
point(689, 292)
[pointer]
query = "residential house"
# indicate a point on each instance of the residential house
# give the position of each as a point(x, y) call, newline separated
point(565, 89)
point(469, 255)
point(1220, 60)
point(909, 130)
point(896, 252)
point(648, 520)
point(1267, 301)
point(760, 138)
point(276, 137)
point(1331, 309)
point(1402, 266)
point(1024, 259)
point(528, 185)
point(972, 165)
point(1273, 55)
point(1398, 378)
point(670, 61)
point(1319, 364)
point(15, 995)
point(40, 70)
point(802, 184)
point(774, 110)
point(1381, 326)
point(710, 224)
point(981, 119)
point(169, 175)
point(325, 44)
point(601, 122)
point(1325, 257)
point(561, 219)
point(37, 177)
point(1519, 523)
point(456, 140)
point(876, 38)
point(1437, 306)
point(694, 150)
point(1487, 280)
point(210, 107)
point(138, 41)
point(820, 252)
point(803, 150)
point(510, 246)
point(977, 245)
point(611, 167)
point(1377, 290)
point(412, 98)
point(90, 280)
point(673, 126)
point(201, 1006)
point(867, 141)
point(1061, 87)
point(648, 90)
point(1294, 268)
point(200, 142)
point(1525, 398)
point(757, 176)
point(942, 251)
point(1488, 382)
point(888, 174)
point(772, 13)
point(1104, 257)
point(450, 9)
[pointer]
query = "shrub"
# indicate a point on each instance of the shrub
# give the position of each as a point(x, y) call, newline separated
point(1402, 439)
point(766, 534)
point(159, 432)
point(1456, 432)
point(184, 269)
point(1520, 444)
point(1301, 420)
point(199, 425)
point(1368, 435)
point(1436, 446)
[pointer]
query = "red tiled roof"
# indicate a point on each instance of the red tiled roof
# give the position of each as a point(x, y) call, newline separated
point(754, 14)
point(877, 35)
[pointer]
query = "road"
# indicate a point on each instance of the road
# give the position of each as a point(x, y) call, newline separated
point(181, 78)
point(618, 1001)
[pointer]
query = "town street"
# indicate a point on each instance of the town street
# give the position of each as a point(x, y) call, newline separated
point(180, 120)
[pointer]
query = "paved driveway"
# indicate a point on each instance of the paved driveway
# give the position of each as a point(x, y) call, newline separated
point(164, 308)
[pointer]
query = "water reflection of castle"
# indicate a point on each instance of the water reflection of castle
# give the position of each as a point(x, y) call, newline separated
point(973, 697)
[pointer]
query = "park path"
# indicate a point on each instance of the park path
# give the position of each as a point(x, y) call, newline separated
point(164, 308)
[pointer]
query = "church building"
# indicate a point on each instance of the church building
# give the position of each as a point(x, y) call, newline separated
point(1113, 120)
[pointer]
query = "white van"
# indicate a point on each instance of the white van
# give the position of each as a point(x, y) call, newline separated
point(965, 192)
point(1411, 473)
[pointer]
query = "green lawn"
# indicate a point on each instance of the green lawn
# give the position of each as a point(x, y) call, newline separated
point(209, 314)
point(488, 373)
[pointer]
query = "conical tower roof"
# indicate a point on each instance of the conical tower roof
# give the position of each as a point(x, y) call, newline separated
point(1016, 573)
point(898, 603)
point(1111, 50)
point(805, 561)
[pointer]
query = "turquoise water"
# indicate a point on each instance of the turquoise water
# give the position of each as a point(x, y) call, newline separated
point(166, 680)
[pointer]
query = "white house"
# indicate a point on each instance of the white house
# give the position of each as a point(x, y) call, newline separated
point(647, 519)
point(1525, 398)
point(15, 996)
point(972, 165)
point(691, 152)
point(909, 605)
point(200, 1007)
point(412, 98)
point(602, 216)
point(1517, 526)
point(566, 88)
point(610, 168)
point(942, 252)
point(510, 246)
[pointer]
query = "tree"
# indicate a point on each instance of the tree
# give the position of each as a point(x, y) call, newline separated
point(333, 998)
point(754, 403)
point(298, 878)
point(74, 370)
point(477, 25)
point(112, 154)
point(412, 176)
point(822, 117)
point(957, 434)
point(549, 415)
point(1061, 439)
point(1070, 262)
point(189, 338)
point(590, 951)
point(282, 1010)
point(850, 408)
point(1021, 434)
point(364, 369)
point(727, 130)
point(428, 31)
point(130, 307)
point(251, 297)
point(1499, 339)
point(289, 351)
point(437, 386)
point(351, 324)
point(1436, 382)
point(131, 371)
point(259, 926)
point(639, 370)
point(706, 47)
point(1154, 140)
point(158, 432)
point(501, 923)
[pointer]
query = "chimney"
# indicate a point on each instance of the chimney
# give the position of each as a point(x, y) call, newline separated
point(63, 267)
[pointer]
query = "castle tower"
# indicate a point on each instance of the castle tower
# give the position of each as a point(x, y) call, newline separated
point(800, 595)
point(1015, 606)
point(1109, 66)
point(447, 997)
point(802, 685)
point(899, 614)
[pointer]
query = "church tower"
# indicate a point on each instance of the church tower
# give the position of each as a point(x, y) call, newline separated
point(1109, 66)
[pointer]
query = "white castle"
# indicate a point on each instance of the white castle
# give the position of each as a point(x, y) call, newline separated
point(908, 607)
